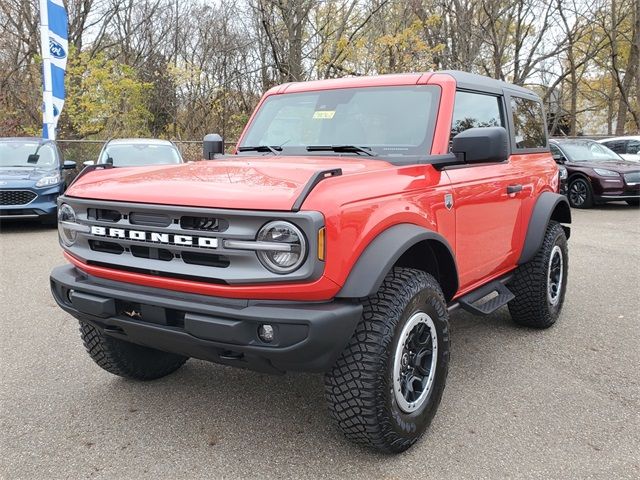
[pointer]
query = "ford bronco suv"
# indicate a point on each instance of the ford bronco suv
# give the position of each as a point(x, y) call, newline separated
point(353, 216)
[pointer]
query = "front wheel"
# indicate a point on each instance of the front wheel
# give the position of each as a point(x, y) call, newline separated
point(539, 285)
point(385, 387)
point(127, 359)
point(580, 194)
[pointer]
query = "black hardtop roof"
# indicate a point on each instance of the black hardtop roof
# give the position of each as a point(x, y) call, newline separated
point(471, 81)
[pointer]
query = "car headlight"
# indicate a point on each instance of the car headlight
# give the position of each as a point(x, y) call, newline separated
point(66, 224)
point(283, 247)
point(603, 172)
point(49, 180)
point(563, 173)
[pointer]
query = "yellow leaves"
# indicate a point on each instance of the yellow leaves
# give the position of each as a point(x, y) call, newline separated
point(105, 97)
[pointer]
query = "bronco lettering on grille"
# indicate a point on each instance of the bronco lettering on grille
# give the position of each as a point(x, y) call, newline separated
point(155, 237)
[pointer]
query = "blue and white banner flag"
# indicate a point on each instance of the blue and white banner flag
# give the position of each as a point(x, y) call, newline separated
point(54, 38)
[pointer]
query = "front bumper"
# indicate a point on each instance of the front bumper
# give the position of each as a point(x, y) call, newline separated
point(43, 205)
point(308, 336)
point(610, 190)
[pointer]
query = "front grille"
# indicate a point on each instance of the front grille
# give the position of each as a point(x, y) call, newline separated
point(16, 197)
point(633, 177)
point(183, 242)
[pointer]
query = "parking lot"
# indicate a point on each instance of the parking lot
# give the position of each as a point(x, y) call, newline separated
point(560, 403)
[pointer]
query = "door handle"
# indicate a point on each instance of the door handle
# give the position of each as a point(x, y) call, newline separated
point(514, 188)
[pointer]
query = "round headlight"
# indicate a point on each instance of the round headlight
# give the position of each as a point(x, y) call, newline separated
point(66, 214)
point(289, 247)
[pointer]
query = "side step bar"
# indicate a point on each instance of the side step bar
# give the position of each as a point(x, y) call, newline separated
point(475, 302)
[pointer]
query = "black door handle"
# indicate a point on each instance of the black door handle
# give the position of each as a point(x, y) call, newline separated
point(514, 188)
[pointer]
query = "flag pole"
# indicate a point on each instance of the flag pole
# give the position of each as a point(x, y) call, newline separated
point(48, 129)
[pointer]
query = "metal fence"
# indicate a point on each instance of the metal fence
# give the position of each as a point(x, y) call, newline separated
point(82, 150)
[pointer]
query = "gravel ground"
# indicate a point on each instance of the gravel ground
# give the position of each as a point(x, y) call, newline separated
point(560, 403)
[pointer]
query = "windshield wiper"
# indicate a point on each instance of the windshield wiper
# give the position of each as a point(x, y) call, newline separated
point(342, 148)
point(275, 149)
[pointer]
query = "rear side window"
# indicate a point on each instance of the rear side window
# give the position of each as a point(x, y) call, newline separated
point(633, 147)
point(475, 110)
point(616, 146)
point(528, 123)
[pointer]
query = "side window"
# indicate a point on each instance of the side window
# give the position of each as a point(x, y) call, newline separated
point(616, 146)
point(633, 147)
point(555, 152)
point(475, 110)
point(528, 123)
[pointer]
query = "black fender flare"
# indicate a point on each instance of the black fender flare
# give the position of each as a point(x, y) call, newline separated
point(383, 252)
point(549, 206)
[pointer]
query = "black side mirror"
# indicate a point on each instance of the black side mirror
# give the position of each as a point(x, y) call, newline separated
point(559, 159)
point(68, 165)
point(212, 145)
point(481, 144)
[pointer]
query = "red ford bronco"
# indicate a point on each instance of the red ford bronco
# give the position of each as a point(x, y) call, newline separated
point(354, 215)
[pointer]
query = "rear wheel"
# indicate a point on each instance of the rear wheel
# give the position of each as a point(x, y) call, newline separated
point(540, 284)
point(580, 194)
point(634, 202)
point(127, 359)
point(386, 386)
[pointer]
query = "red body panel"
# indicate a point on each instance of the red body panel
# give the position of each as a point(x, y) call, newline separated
point(486, 228)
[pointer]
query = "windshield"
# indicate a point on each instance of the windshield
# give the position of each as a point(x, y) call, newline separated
point(389, 121)
point(134, 155)
point(588, 151)
point(16, 154)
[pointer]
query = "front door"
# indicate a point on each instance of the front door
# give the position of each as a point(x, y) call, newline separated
point(487, 197)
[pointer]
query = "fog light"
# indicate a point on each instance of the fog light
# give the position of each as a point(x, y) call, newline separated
point(266, 333)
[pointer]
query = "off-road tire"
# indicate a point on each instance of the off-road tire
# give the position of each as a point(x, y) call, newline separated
point(128, 359)
point(531, 306)
point(359, 388)
point(634, 202)
point(583, 185)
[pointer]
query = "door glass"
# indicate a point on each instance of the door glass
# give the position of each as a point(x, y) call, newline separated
point(528, 123)
point(475, 110)
point(633, 146)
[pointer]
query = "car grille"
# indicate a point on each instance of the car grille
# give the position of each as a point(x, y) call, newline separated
point(633, 177)
point(16, 197)
point(150, 239)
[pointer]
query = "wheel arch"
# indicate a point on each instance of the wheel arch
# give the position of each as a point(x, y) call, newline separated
point(549, 206)
point(404, 245)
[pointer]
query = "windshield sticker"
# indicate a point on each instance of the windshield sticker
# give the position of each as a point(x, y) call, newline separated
point(324, 114)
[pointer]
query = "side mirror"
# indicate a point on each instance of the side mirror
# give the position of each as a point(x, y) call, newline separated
point(33, 158)
point(559, 159)
point(482, 144)
point(88, 163)
point(212, 145)
point(68, 165)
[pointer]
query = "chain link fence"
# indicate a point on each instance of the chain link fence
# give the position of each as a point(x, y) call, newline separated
point(80, 151)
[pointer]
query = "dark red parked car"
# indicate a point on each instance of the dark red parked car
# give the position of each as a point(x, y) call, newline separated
point(596, 173)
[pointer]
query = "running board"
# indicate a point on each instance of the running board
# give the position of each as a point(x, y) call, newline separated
point(473, 301)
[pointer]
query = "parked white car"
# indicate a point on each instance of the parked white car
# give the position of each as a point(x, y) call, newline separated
point(627, 147)
point(134, 152)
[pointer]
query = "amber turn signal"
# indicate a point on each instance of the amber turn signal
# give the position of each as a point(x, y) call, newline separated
point(321, 248)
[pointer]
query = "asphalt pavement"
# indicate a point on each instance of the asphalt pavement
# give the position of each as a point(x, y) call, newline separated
point(519, 403)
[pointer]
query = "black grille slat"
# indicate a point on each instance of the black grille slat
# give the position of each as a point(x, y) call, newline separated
point(206, 224)
point(205, 259)
point(16, 197)
point(149, 219)
point(103, 215)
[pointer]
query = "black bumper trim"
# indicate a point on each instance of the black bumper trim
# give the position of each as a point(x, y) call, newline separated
point(308, 336)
